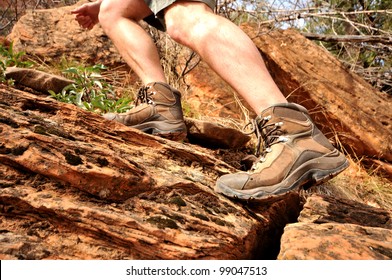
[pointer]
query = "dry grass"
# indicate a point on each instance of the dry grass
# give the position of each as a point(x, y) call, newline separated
point(356, 183)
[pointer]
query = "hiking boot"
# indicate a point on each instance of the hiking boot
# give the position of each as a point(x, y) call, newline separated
point(294, 154)
point(157, 111)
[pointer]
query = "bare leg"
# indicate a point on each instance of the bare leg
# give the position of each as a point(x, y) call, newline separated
point(119, 19)
point(227, 50)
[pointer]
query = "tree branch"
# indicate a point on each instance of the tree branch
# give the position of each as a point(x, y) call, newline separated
point(349, 38)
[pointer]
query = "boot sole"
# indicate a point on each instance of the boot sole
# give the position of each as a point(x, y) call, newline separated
point(173, 130)
point(312, 177)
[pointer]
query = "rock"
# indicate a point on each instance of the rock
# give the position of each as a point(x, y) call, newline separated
point(337, 229)
point(215, 135)
point(53, 34)
point(77, 186)
point(204, 133)
point(329, 241)
point(211, 96)
point(77, 156)
point(343, 105)
point(37, 80)
point(323, 209)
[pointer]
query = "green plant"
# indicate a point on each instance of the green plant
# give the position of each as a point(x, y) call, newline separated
point(90, 91)
point(10, 58)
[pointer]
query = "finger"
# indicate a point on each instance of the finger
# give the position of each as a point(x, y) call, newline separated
point(83, 24)
point(80, 17)
point(78, 10)
point(83, 20)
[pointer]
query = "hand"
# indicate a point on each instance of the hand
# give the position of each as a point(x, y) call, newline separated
point(87, 14)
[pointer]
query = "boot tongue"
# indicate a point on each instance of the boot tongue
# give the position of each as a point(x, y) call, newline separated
point(291, 117)
point(157, 87)
point(286, 113)
point(160, 93)
point(286, 110)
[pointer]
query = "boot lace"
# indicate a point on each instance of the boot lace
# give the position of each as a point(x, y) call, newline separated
point(267, 134)
point(144, 96)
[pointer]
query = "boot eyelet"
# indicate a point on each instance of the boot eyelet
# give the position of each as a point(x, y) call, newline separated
point(279, 124)
point(283, 139)
point(262, 159)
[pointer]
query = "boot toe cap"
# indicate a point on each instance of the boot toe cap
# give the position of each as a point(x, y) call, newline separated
point(110, 116)
point(230, 184)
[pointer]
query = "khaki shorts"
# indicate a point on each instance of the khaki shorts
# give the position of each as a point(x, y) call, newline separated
point(157, 7)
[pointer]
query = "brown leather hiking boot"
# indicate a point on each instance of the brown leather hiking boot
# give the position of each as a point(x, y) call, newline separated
point(294, 154)
point(157, 111)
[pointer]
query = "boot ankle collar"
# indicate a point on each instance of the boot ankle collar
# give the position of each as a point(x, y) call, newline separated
point(293, 106)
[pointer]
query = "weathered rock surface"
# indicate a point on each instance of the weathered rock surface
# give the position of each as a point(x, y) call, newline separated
point(340, 102)
point(211, 96)
point(76, 186)
point(337, 229)
point(204, 133)
point(346, 108)
point(215, 135)
point(53, 34)
point(71, 177)
point(37, 80)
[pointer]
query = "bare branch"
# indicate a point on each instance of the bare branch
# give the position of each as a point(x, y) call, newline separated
point(349, 38)
point(294, 15)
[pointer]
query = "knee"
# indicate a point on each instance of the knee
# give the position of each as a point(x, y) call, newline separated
point(112, 11)
point(189, 27)
point(106, 16)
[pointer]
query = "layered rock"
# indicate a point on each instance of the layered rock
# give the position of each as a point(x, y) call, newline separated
point(343, 105)
point(76, 186)
point(337, 229)
point(346, 108)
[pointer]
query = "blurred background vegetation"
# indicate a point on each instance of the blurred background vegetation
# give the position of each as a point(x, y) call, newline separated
point(357, 32)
